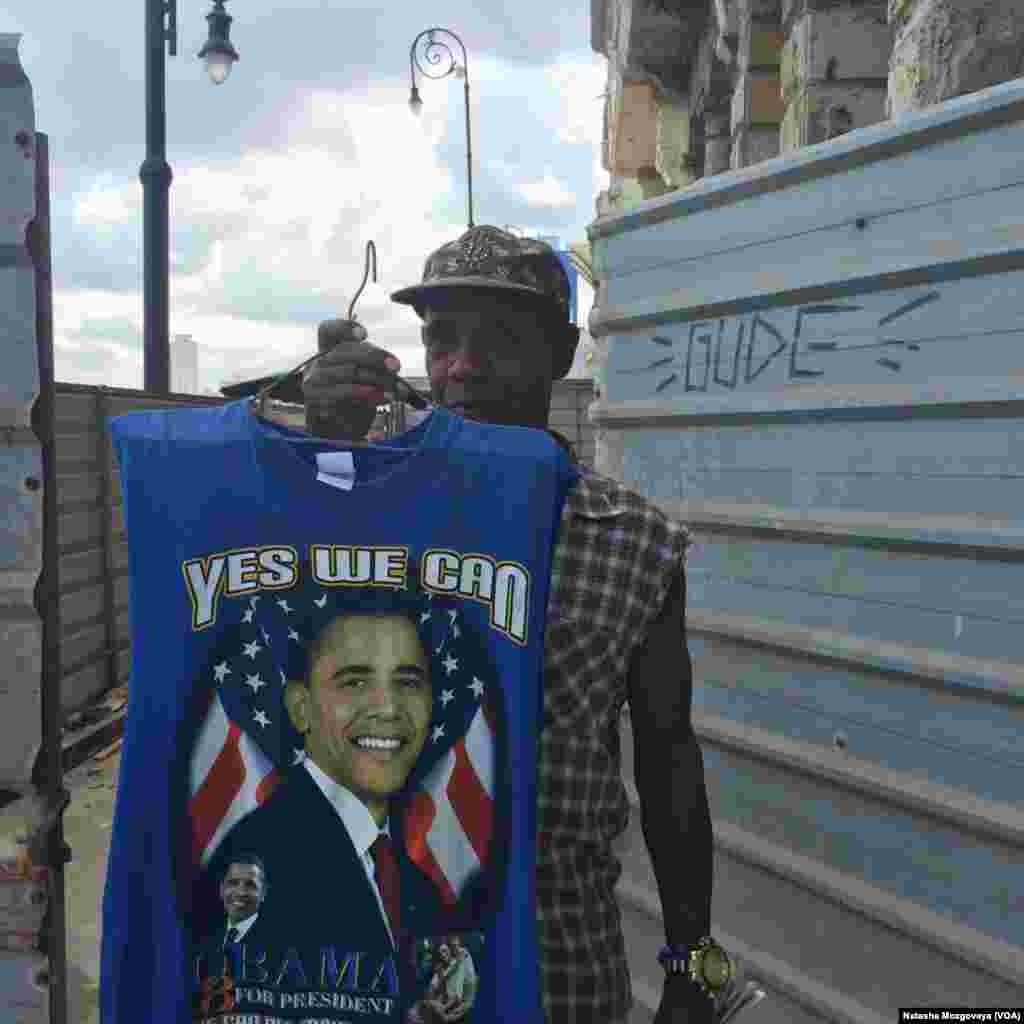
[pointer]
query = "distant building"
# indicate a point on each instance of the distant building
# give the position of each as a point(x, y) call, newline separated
point(184, 365)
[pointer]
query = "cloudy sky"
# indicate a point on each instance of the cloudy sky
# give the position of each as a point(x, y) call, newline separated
point(283, 173)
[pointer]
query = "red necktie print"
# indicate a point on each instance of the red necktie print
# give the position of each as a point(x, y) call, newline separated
point(385, 872)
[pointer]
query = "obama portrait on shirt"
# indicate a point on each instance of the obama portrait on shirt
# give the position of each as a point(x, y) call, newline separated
point(347, 831)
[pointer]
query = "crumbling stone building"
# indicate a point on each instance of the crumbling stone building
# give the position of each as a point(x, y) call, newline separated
point(699, 87)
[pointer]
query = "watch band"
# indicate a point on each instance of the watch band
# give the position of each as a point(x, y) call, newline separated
point(706, 964)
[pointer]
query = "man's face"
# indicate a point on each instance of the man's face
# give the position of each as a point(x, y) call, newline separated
point(444, 953)
point(489, 358)
point(242, 891)
point(367, 708)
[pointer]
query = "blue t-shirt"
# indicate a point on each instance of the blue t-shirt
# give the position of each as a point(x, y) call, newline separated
point(329, 644)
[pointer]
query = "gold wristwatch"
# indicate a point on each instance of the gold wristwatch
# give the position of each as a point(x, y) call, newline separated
point(707, 965)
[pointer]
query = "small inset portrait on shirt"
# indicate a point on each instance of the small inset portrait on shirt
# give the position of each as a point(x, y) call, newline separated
point(354, 734)
point(445, 969)
point(243, 889)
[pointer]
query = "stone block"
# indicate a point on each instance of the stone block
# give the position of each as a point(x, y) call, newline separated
point(900, 11)
point(753, 143)
point(765, 104)
point(632, 129)
point(826, 110)
point(757, 100)
point(765, 47)
point(673, 140)
point(717, 143)
point(849, 41)
point(791, 9)
point(944, 50)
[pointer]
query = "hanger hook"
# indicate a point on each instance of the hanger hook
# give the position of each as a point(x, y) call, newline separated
point(371, 261)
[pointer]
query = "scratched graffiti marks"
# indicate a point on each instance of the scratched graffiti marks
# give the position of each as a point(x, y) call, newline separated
point(732, 350)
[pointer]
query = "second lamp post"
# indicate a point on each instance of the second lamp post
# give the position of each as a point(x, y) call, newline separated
point(436, 52)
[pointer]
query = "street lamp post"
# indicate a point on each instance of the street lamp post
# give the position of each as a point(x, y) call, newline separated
point(433, 51)
point(155, 174)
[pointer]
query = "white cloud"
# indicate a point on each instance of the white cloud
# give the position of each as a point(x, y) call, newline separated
point(547, 191)
point(106, 203)
point(580, 84)
point(268, 239)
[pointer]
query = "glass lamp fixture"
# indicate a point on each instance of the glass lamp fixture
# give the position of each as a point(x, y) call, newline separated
point(217, 51)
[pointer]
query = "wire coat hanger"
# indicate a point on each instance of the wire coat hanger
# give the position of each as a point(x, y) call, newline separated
point(413, 397)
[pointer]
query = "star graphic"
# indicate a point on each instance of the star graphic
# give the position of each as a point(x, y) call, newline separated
point(247, 617)
point(447, 695)
point(255, 682)
point(450, 664)
point(320, 602)
point(452, 613)
point(252, 648)
point(285, 606)
point(298, 756)
point(221, 670)
point(266, 638)
point(253, 600)
point(261, 718)
point(456, 632)
point(292, 635)
point(477, 686)
point(424, 617)
point(284, 678)
point(438, 733)
point(439, 648)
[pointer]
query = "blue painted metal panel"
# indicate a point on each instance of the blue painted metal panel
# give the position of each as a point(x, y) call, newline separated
point(976, 882)
point(972, 326)
point(799, 356)
point(918, 179)
point(944, 737)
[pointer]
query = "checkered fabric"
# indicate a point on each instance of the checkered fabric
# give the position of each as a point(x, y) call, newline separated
point(616, 557)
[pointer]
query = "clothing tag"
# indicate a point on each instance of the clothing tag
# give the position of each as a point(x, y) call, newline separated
point(336, 469)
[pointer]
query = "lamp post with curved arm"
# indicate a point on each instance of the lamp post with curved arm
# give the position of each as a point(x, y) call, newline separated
point(434, 52)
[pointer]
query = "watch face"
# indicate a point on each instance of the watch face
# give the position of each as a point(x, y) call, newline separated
point(715, 968)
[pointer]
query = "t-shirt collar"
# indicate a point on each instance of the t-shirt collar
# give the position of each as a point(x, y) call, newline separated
point(354, 814)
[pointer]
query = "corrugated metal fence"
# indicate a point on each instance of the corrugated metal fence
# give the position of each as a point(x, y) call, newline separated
point(95, 652)
point(816, 364)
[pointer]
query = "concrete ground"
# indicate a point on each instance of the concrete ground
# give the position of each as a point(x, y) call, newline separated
point(87, 822)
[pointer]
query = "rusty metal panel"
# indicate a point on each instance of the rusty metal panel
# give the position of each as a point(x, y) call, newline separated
point(21, 526)
point(815, 365)
point(32, 941)
point(93, 551)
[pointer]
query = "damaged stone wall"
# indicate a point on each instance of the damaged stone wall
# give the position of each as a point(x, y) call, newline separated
point(947, 48)
point(730, 83)
point(835, 63)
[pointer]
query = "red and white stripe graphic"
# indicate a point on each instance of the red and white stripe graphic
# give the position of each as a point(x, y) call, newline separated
point(449, 823)
point(229, 777)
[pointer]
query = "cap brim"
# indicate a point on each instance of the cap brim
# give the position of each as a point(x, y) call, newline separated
point(420, 294)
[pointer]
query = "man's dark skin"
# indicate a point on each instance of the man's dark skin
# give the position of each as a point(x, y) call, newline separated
point(493, 357)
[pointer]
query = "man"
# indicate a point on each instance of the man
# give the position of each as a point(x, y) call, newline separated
point(242, 890)
point(496, 331)
point(364, 708)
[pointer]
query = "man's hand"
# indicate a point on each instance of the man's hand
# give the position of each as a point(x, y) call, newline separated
point(682, 1002)
point(343, 389)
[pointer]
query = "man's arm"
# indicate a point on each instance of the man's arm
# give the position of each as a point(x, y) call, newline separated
point(670, 781)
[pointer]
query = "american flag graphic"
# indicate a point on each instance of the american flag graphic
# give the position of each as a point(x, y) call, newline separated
point(246, 743)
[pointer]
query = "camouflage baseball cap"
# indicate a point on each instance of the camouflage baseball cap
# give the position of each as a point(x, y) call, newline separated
point(487, 257)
